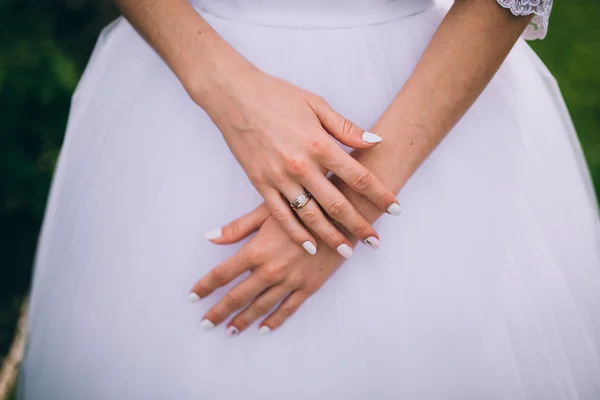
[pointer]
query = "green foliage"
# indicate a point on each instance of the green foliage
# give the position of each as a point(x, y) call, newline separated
point(44, 47)
point(572, 53)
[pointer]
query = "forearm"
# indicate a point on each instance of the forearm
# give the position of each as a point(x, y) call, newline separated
point(185, 41)
point(464, 54)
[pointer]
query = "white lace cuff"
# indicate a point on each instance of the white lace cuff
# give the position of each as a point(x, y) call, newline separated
point(539, 24)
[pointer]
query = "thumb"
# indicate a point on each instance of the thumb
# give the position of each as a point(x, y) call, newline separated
point(342, 128)
point(241, 228)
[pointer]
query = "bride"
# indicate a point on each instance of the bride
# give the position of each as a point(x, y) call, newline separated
point(301, 121)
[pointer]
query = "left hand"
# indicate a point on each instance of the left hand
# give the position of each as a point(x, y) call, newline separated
point(280, 272)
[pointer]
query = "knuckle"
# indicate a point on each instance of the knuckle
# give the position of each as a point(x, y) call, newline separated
point(287, 310)
point(317, 146)
point(254, 254)
point(347, 127)
point(293, 282)
point(318, 101)
point(261, 308)
point(310, 217)
point(338, 209)
point(296, 165)
point(279, 215)
point(272, 274)
point(362, 180)
point(233, 302)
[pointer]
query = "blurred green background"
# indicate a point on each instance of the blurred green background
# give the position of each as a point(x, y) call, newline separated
point(44, 46)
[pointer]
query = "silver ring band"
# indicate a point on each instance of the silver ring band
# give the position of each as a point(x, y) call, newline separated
point(301, 200)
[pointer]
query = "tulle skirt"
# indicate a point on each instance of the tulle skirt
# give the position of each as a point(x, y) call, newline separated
point(487, 287)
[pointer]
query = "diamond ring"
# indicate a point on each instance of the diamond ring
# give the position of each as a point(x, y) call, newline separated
point(301, 200)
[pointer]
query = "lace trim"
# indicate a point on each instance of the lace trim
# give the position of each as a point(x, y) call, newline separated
point(538, 27)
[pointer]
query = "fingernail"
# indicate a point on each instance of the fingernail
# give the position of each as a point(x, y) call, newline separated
point(371, 137)
point(394, 209)
point(264, 330)
point(372, 241)
point(345, 250)
point(214, 234)
point(206, 325)
point(193, 297)
point(309, 247)
point(232, 331)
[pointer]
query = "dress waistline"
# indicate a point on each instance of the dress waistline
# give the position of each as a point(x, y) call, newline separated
point(314, 18)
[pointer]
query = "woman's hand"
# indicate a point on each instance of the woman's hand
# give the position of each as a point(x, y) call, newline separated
point(280, 273)
point(278, 132)
point(282, 137)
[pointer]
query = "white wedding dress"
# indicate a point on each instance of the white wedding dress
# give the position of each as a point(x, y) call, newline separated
point(487, 287)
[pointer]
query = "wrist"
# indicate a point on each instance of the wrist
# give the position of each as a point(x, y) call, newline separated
point(407, 142)
point(215, 72)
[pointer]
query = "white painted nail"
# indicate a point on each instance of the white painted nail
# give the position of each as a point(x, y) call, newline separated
point(264, 330)
point(309, 247)
point(193, 297)
point(206, 325)
point(394, 209)
point(214, 234)
point(232, 331)
point(371, 137)
point(372, 241)
point(345, 250)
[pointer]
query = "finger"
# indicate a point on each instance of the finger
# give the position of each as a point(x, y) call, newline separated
point(282, 212)
point(337, 206)
point(312, 215)
point(221, 275)
point(240, 228)
point(234, 300)
point(262, 305)
point(342, 128)
point(285, 310)
point(361, 180)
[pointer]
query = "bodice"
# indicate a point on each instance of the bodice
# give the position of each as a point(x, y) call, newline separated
point(344, 13)
point(314, 13)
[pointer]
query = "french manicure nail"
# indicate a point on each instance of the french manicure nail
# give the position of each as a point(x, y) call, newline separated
point(193, 297)
point(206, 325)
point(372, 241)
point(371, 137)
point(394, 209)
point(345, 250)
point(232, 331)
point(309, 247)
point(214, 234)
point(264, 330)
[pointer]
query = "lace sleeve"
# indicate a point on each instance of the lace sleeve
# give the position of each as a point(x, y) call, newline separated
point(539, 24)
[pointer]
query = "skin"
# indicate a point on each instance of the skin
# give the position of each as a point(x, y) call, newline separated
point(466, 51)
point(265, 118)
point(462, 57)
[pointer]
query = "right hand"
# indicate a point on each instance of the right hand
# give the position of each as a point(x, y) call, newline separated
point(281, 136)
point(281, 276)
